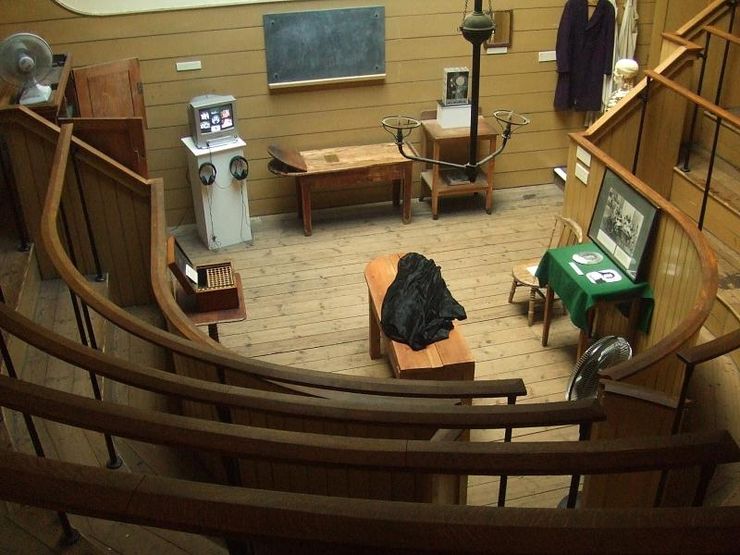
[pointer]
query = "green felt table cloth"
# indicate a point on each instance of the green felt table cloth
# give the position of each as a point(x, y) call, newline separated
point(579, 294)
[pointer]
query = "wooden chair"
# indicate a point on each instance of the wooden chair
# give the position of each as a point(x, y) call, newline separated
point(565, 232)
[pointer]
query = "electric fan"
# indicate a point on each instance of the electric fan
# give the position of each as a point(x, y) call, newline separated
point(605, 352)
point(25, 59)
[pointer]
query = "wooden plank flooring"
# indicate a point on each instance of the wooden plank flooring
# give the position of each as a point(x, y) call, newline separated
point(307, 307)
point(307, 300)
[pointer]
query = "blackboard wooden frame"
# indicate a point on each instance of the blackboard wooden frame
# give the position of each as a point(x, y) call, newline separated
point(324, 46)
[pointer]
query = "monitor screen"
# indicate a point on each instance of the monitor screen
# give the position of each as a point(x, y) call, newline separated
point(213, 120)
point(216, 118)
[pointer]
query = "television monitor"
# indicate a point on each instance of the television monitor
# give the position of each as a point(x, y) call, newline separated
point(212, 120)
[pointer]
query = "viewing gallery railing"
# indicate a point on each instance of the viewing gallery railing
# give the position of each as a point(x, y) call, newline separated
point(311, 524)
point(125, 254)
point(82, 221)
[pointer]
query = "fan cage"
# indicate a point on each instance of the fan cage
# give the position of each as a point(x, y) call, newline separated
point(605, 352)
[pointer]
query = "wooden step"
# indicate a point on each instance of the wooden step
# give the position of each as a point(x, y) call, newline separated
point(722, 215)
point(728, 144)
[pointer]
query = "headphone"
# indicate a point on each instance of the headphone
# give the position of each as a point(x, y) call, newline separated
point(207, 173)
point(239, 168)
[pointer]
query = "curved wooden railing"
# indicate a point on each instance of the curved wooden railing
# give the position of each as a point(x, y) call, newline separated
point(683, 268)
point(314, 524)
point(393, 413)
point(197, 347)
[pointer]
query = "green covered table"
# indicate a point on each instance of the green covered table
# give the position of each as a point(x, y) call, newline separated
point(584, 287)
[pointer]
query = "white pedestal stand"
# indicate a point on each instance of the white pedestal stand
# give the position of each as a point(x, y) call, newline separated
point(221, 209)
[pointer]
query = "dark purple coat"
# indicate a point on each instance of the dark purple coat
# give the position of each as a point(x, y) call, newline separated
point(585, 48)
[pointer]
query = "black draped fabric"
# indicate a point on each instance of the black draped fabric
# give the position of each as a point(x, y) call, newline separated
point(418, 309)
point(584, 50)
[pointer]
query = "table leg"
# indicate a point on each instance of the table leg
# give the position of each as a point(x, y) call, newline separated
point(374, 331)
point(299, 201)
point(634, 318)
point(396, 192)
point(549, 296)
point(489, 176)
point(407, 183)
point(305, 190)
point(585, 334)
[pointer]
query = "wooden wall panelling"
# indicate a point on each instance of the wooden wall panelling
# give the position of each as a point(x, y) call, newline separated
point(633, 417)
point(24, 147)
point(72, 205)
point(421, 39)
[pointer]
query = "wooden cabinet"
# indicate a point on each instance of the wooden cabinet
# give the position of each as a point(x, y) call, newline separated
point(452, 145)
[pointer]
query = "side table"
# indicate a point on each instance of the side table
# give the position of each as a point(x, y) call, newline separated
point(452, 144)
point(562, 275)
point(211, 318)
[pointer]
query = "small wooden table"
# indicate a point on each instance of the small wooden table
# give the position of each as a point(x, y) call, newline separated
point(583, 299)
point(336, 168)
point(448, 359)
point(441, 143)
point(211, 318)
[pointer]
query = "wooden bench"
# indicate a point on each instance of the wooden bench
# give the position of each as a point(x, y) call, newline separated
point(449, 359)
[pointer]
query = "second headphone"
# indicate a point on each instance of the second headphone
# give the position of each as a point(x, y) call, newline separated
point(238, 168)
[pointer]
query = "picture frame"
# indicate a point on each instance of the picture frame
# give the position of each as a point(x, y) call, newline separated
point(622, 224)
point(455, 86)
point(504, 21)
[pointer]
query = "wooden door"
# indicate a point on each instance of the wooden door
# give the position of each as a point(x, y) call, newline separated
point(120, 138)
point(112, 89)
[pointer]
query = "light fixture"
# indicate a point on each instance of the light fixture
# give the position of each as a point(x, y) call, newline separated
point(476, 28)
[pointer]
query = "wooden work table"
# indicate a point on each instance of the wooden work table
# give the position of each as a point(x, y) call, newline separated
point(340, 167)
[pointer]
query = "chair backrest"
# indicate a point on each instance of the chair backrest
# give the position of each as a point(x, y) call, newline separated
point(565, 232)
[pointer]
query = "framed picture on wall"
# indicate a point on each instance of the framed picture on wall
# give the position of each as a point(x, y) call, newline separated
point(622, 224)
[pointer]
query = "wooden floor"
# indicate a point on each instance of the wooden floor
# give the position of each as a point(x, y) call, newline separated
point(307, 307)
point(307, 301)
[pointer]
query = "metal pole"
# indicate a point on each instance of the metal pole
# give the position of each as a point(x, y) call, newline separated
point(710, 171)
point(114, 460)
point(472, 170)
point(9, 178)
point(645, 98)
point(504, 479)
point(71, 536)
point(699, 87)
point(88, 224)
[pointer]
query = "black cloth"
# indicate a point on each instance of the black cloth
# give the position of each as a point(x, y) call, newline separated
point(584, 50)
point(418, 309)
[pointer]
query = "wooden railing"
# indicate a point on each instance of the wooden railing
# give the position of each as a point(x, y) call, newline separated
point(277, 522)
point(200, 355)
point(682, 270)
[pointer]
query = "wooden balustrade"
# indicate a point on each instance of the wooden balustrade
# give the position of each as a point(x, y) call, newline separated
point(278, 522)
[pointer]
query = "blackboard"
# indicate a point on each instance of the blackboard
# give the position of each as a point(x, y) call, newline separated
point(324, 45)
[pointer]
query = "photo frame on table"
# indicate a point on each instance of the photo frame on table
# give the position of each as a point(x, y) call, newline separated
point(622, 224)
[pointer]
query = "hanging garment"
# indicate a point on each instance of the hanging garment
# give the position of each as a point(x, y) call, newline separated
point(627, 41)
point(609, 85)
point(418, 309)
point(584, 48)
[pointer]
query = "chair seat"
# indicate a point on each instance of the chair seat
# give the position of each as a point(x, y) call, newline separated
point(524, 273)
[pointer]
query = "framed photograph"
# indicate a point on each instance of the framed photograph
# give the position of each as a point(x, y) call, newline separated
point(622, 224)
point(455, 86)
